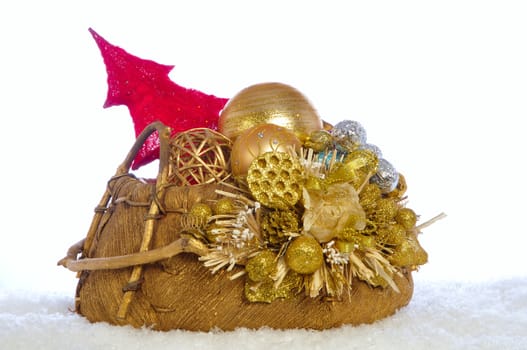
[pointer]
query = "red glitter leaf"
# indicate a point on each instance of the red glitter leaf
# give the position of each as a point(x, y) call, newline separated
point(145, 88)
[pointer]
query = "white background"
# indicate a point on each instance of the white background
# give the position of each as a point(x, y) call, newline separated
point(440, 86)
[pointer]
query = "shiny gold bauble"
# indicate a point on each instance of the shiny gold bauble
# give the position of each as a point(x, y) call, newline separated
point(304, 255)
point(258, 140)
point(274, 103)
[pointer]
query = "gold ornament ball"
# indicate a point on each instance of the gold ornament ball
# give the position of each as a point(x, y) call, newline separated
point(386, 209)
point(199, 156)
point(393, 234)
point(304, 255)
point(201, 211)
point(369, 196)
point(261, 266)
point(258, 140)
point(223, 206)
point(407, 218)
point(274, 103)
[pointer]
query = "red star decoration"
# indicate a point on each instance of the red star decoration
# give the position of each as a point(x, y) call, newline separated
point(145, 88)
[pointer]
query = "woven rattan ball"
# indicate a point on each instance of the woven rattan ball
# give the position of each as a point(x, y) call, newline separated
point(199, 156)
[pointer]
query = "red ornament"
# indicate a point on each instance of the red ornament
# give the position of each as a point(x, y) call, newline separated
point(145, 88)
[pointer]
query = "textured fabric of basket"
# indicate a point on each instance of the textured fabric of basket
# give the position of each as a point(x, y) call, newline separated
point(180, 293)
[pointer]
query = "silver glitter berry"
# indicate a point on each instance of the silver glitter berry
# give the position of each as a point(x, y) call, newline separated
point(349, 133)
point(386, 177)
point(372, 148)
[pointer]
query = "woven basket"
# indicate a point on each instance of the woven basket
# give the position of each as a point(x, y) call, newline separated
point(136, 268)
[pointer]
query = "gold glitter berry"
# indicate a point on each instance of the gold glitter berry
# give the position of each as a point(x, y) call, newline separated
point(304, 255)
point(385, 210)
point(261, 266)
point(369, 196)
point(201, 211)
point(407, 218)
point(393, 234)
point(224, 206)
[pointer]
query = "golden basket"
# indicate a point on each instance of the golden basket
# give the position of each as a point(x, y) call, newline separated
point(137, 267)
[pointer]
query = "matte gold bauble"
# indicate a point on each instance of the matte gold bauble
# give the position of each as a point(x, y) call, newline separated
point(274, 103)
point(258, 140)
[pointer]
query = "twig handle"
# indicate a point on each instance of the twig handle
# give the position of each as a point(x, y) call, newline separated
point(140, 140)
point(124, 168)
point(182, 245)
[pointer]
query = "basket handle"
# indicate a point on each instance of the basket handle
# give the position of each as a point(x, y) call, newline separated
point(123, 169)
point(164, 134)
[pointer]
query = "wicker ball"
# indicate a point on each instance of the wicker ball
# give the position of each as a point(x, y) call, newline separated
point(199, 156)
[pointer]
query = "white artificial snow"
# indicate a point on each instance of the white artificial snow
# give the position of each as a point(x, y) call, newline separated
point(441, 315)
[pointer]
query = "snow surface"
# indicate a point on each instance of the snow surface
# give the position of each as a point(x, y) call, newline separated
point(441, 315)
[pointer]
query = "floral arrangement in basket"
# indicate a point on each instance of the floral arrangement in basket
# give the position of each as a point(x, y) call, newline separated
point(305, 206)
point(307, 215)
